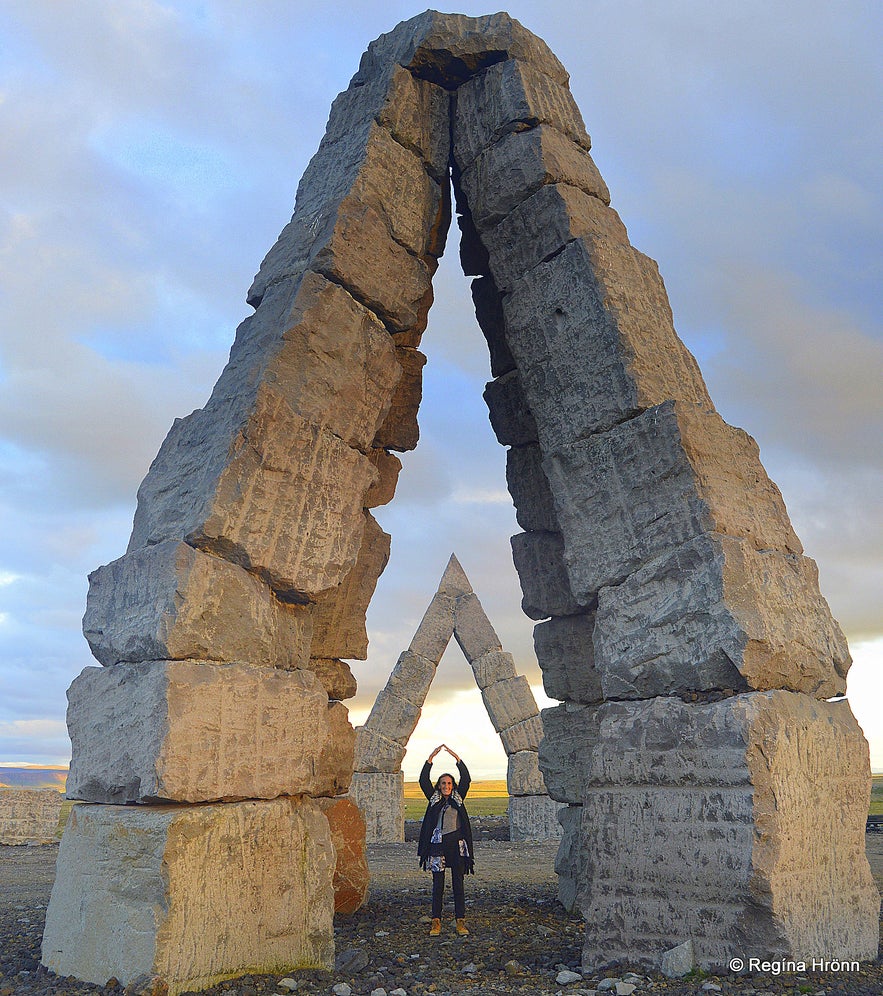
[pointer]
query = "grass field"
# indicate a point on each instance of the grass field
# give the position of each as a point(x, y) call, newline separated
point(484, 799)
point(877, 796)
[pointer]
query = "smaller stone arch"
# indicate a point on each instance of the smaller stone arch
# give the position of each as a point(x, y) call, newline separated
point(378, 781)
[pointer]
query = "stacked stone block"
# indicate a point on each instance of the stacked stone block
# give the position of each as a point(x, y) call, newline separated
point(660, 564)
point(656, 556)
point(377, 787)
point(29, 816)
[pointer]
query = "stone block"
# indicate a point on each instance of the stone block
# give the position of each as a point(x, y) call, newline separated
point(509, 701)
point(570, 731)
point(713, 821)
point(525, 735)
point(539, 560)
point(494, 666)
point(336, 677)
point(400, 430)
point(508, 97)
point(436, 628)
point(627, 495)
point(543, 224)
point(191, 895)
point(533, 817)
point(393, 717)
point(570, 863)
point(454, 581)
point(678, 961)
point(173, 602)
point(335, 365)
point(287, 500)
point(411, 677)
point(376, 753)
point(518, 165)
point(29, 816)
point(718, 614)
point(509, 414)
point(380, 796)
point(489, 315)
point(339, 617)
point(523, 776)
point(189, 731)
point(566, 656)
point(526, 479)
point(351, 876)
point(472, 628)
point(592, 335)
point(388, 467)
point(414, 111)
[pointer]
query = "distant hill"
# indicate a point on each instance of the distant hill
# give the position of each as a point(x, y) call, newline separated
point(33, 776)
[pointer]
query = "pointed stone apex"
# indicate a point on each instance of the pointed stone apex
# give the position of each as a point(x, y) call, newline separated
point(454, 581)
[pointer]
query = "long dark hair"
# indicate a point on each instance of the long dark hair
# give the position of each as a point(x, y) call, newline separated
point(447, 774)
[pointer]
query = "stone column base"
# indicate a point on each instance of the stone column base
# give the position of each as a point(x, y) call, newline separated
point(192, 895)
point(534, 817)
point(29, 816)
point(380, 796)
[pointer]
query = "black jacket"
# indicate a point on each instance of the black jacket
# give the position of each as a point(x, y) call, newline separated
point(430, 817)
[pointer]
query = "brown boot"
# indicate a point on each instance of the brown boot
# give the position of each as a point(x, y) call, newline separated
point(435, 929)
point(461, 926)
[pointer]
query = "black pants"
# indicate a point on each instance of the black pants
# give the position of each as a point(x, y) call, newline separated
point(454, 863)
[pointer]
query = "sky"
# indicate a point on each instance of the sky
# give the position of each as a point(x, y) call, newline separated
point(149, 156)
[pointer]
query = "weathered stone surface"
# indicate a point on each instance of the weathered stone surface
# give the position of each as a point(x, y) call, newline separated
point(339, 618)
point(336, 677)
point(415, 112)
point(678, 961)
point(472, 628)
point(570, 863)
point(351, 876)
point(29, 816)
point(489, 315)
point(380, 796)
point(716, 822)
point(654, 482)
point(570, 731)
point(400, 430)
point(411, 677)
point(539, 560)
point(523, 776)
point(454, 581)
point(191, 894)
point(508, 97)
point(435, 629)
point(718, 614)
point(566, 655)
point(193, 732)
point(395, 718)
point(388, 467)
point(533, 817)
point(287, 501)
point(450, 48)
point(494, 666)
point(376, 753)
point(509, 701)
point(526, 479)
point(595, 343)
point(173, 602)
point(510, 416)
point(542, 225)
point(525, 735)
point(518, 165)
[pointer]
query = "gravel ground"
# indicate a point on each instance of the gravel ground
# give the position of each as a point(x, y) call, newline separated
point(520, 940)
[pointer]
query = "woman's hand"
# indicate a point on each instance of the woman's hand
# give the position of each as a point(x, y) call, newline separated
point(453, 755)
point(437, 749)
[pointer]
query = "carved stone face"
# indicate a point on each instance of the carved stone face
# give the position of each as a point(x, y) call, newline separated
point(446, 785)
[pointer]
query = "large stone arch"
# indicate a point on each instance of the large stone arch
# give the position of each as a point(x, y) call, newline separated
point(454, 611)
point(706, 777)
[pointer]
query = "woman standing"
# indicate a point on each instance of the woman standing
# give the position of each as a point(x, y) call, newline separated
point(446, 838)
